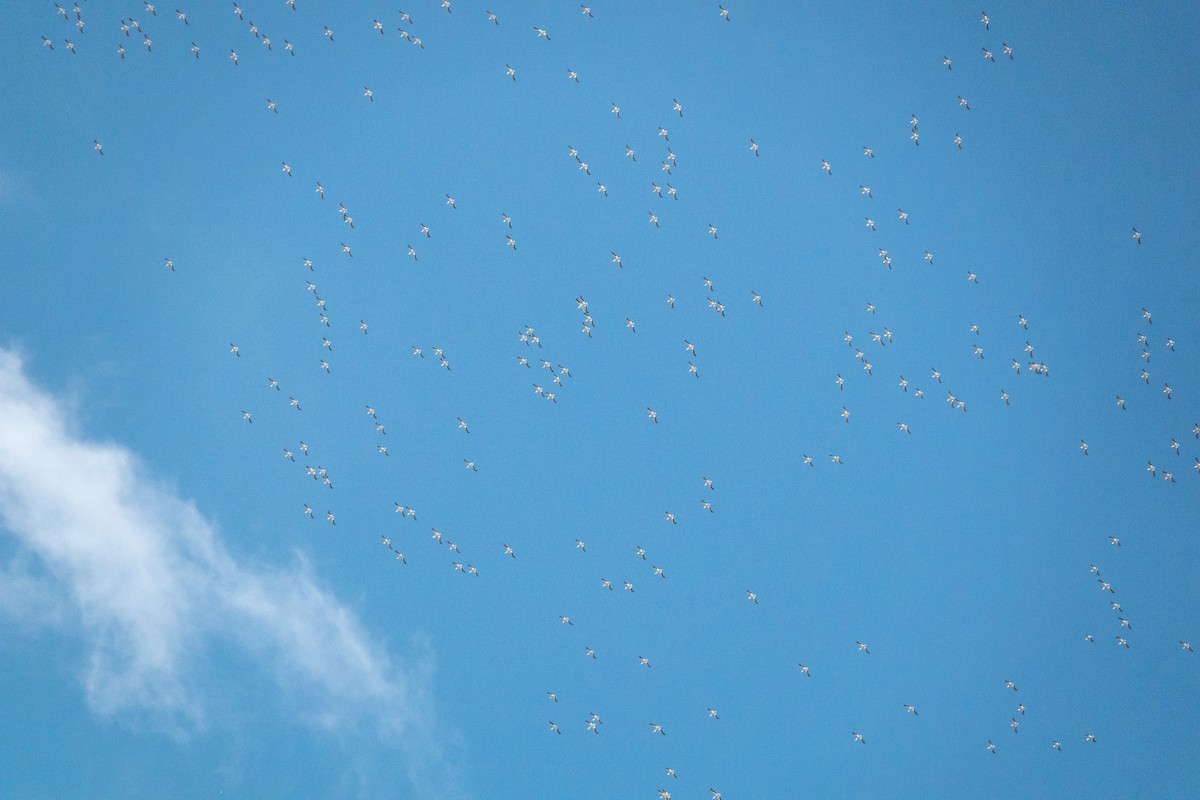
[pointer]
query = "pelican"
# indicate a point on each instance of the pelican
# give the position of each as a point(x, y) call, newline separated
point(911, 710)
point(541, 32)
point(858, 737)
point(825, 166)
point(650, 412)
point(724, 12)
point(963, 103)
point(367, 93)
point(752, 597)
point(470, 465)
point(1137, 236)
point(754, 147)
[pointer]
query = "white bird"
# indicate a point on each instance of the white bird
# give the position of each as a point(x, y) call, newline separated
point(724, 12)
point(858, 737)
point(367, 93)
point(510, 72)
point(754, 147)
point(542, 33)
point(911, 710)
point(650, 412)
point(752, 597)
point(470, 465)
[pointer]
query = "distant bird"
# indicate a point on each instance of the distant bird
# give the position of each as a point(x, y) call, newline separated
point(724, 12)
point(984, 19)
point(510, 72)
point(991, 747)
point(947, 62)
point(858, 737)
point(911, 710)
point(805, 670)
point(650, 412)
point(754, 147)
point(752, 597)
point(862, 647)
point(963, 103)
point(1137, 236)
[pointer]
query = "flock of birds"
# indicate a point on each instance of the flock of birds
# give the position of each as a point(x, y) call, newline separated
point(553, 376)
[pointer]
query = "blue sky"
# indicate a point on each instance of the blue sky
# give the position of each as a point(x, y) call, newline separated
point(174, 624)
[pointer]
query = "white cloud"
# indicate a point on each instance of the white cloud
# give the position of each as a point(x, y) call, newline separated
point(136, 573)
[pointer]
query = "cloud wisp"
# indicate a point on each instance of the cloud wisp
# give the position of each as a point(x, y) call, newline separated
point(144, 581)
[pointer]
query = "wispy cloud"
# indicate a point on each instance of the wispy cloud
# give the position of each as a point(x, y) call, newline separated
point(145, 581)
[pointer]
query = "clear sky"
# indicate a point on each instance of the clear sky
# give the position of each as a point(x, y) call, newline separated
point(175, 625)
